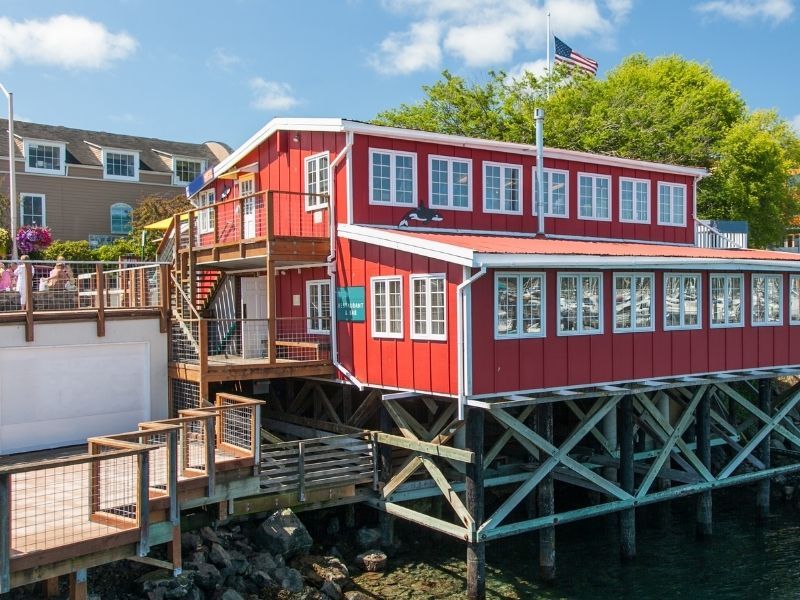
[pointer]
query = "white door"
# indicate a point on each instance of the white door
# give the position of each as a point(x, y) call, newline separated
point(247, 187)
point(254, 313)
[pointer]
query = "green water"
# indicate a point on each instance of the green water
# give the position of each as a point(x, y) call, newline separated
point(743, 560)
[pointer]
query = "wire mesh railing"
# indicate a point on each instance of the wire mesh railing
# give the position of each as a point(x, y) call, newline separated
point(302, 338)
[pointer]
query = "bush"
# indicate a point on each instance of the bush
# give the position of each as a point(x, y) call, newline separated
point(5, 241)
point(128, 246)
point(80, 250)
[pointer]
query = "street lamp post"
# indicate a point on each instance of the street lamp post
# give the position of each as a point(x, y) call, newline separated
point(12, 183)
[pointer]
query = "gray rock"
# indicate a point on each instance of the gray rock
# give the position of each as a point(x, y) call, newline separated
point(210, 536)
point(290, 579)
point(231, 595)
point(191, 542)
point(174, 587)
point(334, 526)
point(355, 595)
point(220, 557)
point(367, 538)
point(262, 579)
point(318, 569)
point(207, 576)
point(283, 533)
point(372, 560)
point(332, 590)
point(264, 562)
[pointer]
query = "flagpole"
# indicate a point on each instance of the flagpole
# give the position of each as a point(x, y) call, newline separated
point(549, 70)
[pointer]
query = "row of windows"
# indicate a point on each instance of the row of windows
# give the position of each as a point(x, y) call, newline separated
point(50, 159)
point(32, 213)
point(520, 302)
point(428, 300)
point(393, 180)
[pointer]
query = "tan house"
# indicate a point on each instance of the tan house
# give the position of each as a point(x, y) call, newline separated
point(84, 184)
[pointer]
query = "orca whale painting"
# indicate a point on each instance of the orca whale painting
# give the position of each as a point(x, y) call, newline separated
point(422, 214)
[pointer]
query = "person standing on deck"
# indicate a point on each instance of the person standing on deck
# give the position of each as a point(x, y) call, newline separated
point(6, 278)
point(22, 277)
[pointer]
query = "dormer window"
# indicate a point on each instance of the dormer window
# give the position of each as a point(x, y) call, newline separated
point(44, 157)
point(120, 164)
point(186, 170)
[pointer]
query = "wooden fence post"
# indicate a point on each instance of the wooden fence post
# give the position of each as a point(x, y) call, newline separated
point(143, 502)
point(164, 298)
point(28, 302)
point(210, 453)
point(101, 300)
point(5, 532)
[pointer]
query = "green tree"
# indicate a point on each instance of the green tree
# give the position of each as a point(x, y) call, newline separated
point(155, 207)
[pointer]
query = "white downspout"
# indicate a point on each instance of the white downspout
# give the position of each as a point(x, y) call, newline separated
point(539, 116)
point(331, 259)
point(464, 343)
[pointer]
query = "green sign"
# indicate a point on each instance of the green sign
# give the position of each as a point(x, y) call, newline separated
point(350, 304)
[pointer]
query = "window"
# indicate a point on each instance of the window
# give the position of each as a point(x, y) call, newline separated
point(671, 204)
point(206, 219)
point(428, 299)
point(593, 197)
point(580, 303)
point(119, 164)
point(633, 302)
point(393, 177)
point(726, 300)
point(387, 307)
point(794, 299)
point(318, 306)
point(555, 193)
point(767, 300)
point(186, 170)
point(519, 305)
point(120, 218)
point(634, 200)
point(681, 301)
point(44, 157)
point(450, 183)
point(31, 210)
point(502, 188)
point(316, 169)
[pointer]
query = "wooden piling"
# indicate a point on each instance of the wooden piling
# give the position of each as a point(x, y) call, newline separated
point(385, 465)
point(763, 489)
point(77, 585)
point(546, 500)
point(703, 428)
point(627, 518)
point(476, 551)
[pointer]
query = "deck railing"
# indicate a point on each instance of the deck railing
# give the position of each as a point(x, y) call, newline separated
point(708, 236)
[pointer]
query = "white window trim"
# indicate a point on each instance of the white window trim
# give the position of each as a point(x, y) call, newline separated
point(634, 328)
point(501, 210)
point(579, 297)
point(727, 277)
point(449, 160)
point(549, 213)
point(543, 309)
point(393, 178)
point(312, 207)
point(44, 208)
point(753, 322)
point(175, 159)
point(309, 284)
point(207, 216)
point(672, 186)
point(111, 215)
point(635, 180)
point(682, 327)
point(134, 153)
point(593, 177)
point(388, 334)
point(26, 143)
point(792, 278)
point(412, 306)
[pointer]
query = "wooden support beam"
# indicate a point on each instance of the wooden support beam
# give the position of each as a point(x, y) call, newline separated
point(627, 521)
point(456, 454)
point(385, 473)
point(78, 590)
point(506, 436)
point(474, 490)
point(546, 500)
point(703, 428)
point(765, 405)
point(365, 409)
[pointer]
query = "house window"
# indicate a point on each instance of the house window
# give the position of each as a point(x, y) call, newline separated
point(387, 307)
point(502, 188)
point(794, 300)
point(556, 192)
point(186, 170)
point(206, 219)
point(318, 306)
point(316, 169)
point(450, 182)
point(593, 197)
point(31, 210)
point(671, 204)
point(580, 303)
point(681, 301)
point(519, 305)
point(634, 200)
point(633, 302)
point(726, 300)
point(393, 177)
point(428, 307)
point(121, 218)
point(47, 158)
point(118, 164)
point(767, 302)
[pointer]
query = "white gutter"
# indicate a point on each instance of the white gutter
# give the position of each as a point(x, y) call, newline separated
point(331, 258)
point(464, 334)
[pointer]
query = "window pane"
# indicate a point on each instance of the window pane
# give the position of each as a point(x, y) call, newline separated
point(437, 309)
point(734, 300)
point(601, 198)
point(568, 304)
point(644, 295)
point(461, 184)
point(626, 200)
point(664, 204)
point(622, 303)
point(590, 286)
point(794, 299)
point(381, 181)
point(642, 201)
point(395, 307)
point(420, 307)
point(506, 305)
point(404, 179)
point(44, 157)
point(491, 187)
point(774, 299)
point(439, 182)
point(120, 165)
point(678, 205)
point(532, 304)
point(690, 306)
point(511, 194)
point(672, 301)
point(558, 193)
point(585, 196)
point(379, 300)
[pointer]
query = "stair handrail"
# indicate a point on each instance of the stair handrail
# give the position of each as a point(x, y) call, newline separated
point(178, 287)
point(717, 232)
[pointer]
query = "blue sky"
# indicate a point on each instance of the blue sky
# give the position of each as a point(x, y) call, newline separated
point(200, 70)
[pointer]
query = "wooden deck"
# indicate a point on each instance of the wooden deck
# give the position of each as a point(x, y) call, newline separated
point(233, 368)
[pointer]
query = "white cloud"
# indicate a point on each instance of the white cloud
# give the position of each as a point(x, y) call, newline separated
point(536, 67)
point(272, 95)
point(488, 33)
point(223, 59)
point(64, 41)
point(742, 10)
point(796, 123)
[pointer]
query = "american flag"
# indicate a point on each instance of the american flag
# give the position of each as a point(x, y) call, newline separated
point(566, 54)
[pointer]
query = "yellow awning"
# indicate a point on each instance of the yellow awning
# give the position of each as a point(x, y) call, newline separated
point(164, 224)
